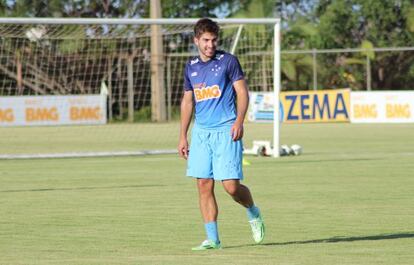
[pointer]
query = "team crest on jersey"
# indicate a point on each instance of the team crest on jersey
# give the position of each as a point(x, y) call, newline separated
point(194, 61)
point(206, 93)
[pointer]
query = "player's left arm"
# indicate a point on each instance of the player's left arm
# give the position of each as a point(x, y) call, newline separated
point(240, 86)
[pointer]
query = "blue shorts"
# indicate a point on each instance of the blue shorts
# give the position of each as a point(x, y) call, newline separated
point(214, 155)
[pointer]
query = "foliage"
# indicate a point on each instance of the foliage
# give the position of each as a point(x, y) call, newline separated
point(350, 24)
point(196, 9)
point(126, 8)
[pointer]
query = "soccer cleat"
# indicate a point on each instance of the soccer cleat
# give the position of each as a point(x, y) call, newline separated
point(207, 244)
point(258, 229)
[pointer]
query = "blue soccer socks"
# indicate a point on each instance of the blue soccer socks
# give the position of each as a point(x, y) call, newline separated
point(253, 212)
point(212, 231)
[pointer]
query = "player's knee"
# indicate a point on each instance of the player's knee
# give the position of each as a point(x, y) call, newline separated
point(232, 190)
point(205, 185)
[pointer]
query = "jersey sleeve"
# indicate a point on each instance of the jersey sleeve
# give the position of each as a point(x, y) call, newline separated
point(187, 83)
point(234, 69)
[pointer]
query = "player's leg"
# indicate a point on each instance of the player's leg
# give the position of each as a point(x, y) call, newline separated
point(238, 192)
point(227, 167)
point(209, 211)
point(199, 166)
point(242, 195)
point(207, 200)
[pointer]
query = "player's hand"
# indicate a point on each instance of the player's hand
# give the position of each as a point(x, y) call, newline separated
point(237, 131)
point(183, 148)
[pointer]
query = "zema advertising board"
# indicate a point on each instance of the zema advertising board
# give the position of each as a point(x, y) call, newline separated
point(302, 106)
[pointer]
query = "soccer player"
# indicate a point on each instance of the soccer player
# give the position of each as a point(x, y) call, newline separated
point(214, 85)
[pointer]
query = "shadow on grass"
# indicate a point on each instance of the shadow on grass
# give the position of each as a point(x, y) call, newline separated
point(334, 240)
point(85, 188)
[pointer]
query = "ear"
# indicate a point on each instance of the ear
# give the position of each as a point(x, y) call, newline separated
point(196, 40)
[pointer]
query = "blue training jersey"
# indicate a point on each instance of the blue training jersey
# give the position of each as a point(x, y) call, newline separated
point(212, 86)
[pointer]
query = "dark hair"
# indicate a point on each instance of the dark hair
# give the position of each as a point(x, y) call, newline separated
point(206, 25)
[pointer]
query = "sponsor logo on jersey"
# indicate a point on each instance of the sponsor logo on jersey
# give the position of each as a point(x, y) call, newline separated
point(206, 93)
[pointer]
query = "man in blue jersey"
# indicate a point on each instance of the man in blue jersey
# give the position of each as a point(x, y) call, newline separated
point(214, 85)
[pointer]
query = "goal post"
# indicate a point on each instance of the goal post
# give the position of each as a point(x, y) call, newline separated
point(276, 90)
point(51, 66)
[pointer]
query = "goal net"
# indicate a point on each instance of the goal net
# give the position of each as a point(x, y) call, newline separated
point(91, 87)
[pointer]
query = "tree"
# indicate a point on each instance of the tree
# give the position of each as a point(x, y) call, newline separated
point(31, 8)
point(196, 9)
point(349, 24)
point(125, 8)
point(297, 31)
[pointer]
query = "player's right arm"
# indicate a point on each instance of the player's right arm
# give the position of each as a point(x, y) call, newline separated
point(187, 105)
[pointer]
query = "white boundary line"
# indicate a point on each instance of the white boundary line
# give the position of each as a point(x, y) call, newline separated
point(89, 154)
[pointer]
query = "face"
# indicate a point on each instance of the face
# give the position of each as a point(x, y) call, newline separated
point(207, 44)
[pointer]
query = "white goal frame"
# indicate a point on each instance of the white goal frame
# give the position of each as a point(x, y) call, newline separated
point(162, 21)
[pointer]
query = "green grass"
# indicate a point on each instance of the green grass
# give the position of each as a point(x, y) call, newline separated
point(347, 200)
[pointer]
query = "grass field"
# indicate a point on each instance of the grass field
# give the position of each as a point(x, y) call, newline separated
point(347, 200)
